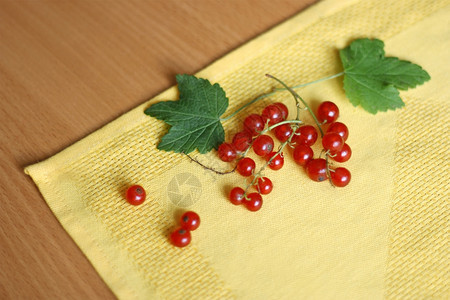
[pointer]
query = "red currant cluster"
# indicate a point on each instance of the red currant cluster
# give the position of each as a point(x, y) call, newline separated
point(253, 137)
point(333, 142)
point(181, 237)
point(288, 132)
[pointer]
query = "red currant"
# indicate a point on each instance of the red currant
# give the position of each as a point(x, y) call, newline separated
point(283, 108)
point(340, 177)
point(263, 145)
point(332, 141)
point(226, 152)
point(327, 111)
point(190, 220)
point(339, 128)
point(273, 114)
point(136, 195)
point(254, 124)
point(254, 202)
point(265, 185)
point(181, 237)
point(237, 195)
point(343, 155)
point(277, 162)
point(242, 140)
point(303, 154)
point(283, 132)
point(317, 169)
point(305, 135)
point(246, 166)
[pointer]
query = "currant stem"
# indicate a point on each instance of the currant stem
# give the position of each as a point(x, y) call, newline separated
point(247, 104)
point(209, 168)
point(280, 150)
point(297, 96)
point(327, 155)
point(313, 82)
point(281, 123)
point(279, 90)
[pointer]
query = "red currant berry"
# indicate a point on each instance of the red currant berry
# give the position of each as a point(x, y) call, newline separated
point(181, 237)
point(264, 186)
point(254, 202)
point(242, 140)
point(226, 152)
point(136, 195)
point(303, 154)
point(254, 124)
point(277, 162)
point(317, 169)
point(263, 145)
point(327, 111)
point(343, 155)
point(237, 195)
point(332, 141)
point(305, 135)
point(340, 128)
point(246, 166)
point(273, 114)
point(190, 220)
point(340, 177)
point(283, 132)
point(283, 108)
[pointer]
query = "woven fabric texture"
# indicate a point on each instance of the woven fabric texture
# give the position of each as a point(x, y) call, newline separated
point(385, 235)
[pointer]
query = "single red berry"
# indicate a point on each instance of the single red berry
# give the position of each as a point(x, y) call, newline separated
point(327, 111)
point(303, 154)
point(226, 152)
point(180, 237)
point(273, 114)
point(283, 108)
point(246, 166)
point(242, 140)
point(263, 145)
point(190, 220)
point(332, 141)
point(340, 177)
point(317, 169)
point(254, 124)
point(237, 195)
point(264, 186)
point(277, 161)
point(254, 202)
point(343, 155)
point(283, 132)
point(305, 135)
point(135, 195)
point(340, 128)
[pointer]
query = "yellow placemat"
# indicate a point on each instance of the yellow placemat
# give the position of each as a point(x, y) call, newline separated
point(385, 235)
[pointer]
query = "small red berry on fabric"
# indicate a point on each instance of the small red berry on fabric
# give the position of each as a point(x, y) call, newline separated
point(190, 220)
point(180, 237)
point(135, 195)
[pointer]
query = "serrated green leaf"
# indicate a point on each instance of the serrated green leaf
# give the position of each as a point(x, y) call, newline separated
point(194, 118)
point(371, 79)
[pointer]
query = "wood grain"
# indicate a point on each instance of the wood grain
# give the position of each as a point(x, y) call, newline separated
point(66, 69)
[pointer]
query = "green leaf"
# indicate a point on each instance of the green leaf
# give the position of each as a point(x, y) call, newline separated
point(194, 118)
point(372, 80)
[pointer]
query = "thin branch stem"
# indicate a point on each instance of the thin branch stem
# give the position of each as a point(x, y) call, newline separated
point(246, 105)
point(297, 96)
point(328, 168)
point(209, 168)
point(313, 82)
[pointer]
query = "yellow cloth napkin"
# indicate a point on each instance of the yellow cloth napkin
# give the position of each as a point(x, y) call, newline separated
point(385, 235)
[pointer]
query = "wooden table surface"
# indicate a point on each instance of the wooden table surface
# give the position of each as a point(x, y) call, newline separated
point(66, 69)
